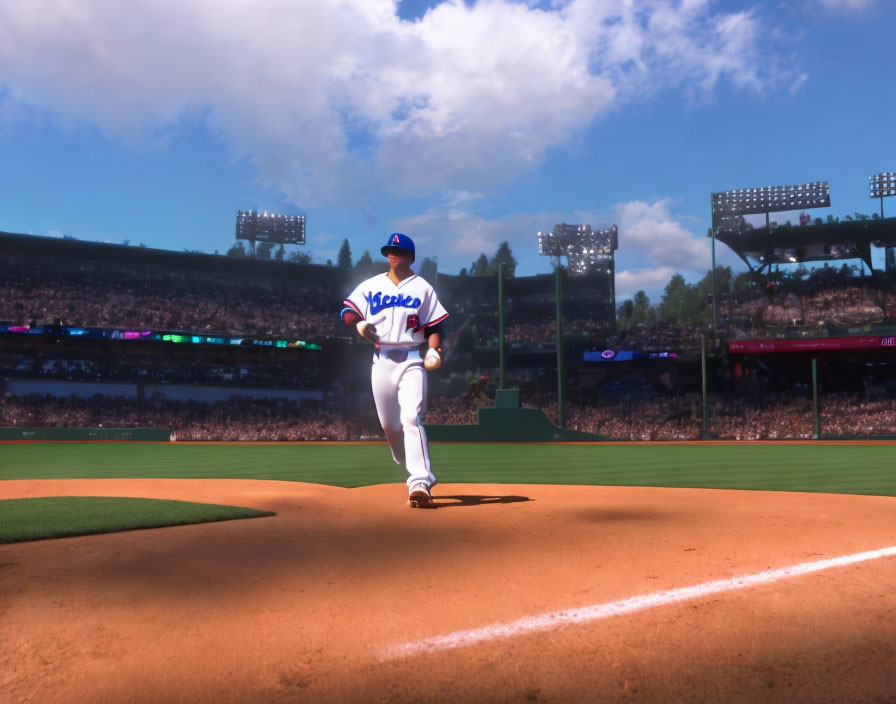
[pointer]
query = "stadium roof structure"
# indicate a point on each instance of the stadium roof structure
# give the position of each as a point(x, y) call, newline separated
point(729, 207)
point(52, 247)
point(761, 247)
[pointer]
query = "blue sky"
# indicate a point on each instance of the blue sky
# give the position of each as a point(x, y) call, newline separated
point(461, 124)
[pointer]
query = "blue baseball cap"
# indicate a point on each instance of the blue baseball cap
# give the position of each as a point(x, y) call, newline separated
point(398, 241)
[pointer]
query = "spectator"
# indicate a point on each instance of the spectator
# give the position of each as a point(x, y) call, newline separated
point(771, 417)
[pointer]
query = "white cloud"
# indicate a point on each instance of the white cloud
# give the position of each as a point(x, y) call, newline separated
point(653, 235)
point(457, 237)
point(628, 282)
point(654, 243)
point(342, 101)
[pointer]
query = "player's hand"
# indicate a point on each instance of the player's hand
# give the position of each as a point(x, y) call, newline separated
point(432, 360)
point(367, 331)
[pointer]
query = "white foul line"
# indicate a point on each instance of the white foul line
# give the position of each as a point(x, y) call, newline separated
point(555, 619)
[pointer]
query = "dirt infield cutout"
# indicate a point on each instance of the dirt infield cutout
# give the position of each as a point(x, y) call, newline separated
point(304, 605)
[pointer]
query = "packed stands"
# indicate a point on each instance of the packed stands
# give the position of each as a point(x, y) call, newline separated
point(132, 288)
point(36, 290)
point(660, 336)
point(154, 370)
point(237, 419)
point(773, 417)
point(825, 300)
point(780, 416)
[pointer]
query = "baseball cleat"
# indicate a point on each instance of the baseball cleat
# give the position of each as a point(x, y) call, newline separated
point(419, 496)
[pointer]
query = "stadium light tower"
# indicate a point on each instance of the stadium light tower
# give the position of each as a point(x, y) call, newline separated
point(881, 186)
point(729, 207)
point(584, 248)
point(269, 227)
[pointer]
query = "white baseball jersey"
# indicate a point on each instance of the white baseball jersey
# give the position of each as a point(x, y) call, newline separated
point(400, 312)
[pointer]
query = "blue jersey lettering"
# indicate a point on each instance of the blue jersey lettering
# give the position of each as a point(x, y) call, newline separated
point(378, 302)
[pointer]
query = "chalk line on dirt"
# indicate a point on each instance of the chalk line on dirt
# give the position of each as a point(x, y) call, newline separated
point(555, 619)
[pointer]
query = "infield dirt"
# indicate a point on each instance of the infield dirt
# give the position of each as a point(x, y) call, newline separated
point(306, 605)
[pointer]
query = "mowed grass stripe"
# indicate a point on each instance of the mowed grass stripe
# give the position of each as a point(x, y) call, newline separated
point(63, 516)
point(821, 467)
point(339, 465)
point(862, 469)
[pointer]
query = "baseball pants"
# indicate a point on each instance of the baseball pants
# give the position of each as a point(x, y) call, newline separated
point(398, 379)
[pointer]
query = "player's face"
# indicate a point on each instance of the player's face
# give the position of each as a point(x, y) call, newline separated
point(400, 259)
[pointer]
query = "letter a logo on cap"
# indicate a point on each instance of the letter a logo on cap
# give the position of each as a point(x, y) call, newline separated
point(397, 240)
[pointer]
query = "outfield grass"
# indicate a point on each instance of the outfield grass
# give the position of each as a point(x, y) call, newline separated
point(62, 516)
point(819, 467)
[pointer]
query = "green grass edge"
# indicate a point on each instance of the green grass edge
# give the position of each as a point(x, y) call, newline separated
point(50, 517)
point(821, 467)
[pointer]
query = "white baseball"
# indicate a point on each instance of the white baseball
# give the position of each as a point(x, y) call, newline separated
point(432, 360)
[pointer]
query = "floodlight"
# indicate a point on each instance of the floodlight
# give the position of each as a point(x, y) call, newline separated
point(729, 207)
point(580, 244)
point(883, 185)
point(270, 227)
point(548, 245)
point(771, 199)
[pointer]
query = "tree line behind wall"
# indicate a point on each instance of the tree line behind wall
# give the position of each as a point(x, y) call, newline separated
point(682, 303)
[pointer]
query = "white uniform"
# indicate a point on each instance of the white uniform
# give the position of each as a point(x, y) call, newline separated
point(399, 313)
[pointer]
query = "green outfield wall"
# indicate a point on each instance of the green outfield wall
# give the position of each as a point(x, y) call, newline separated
point(70, 434)
point(507, 422)
point(827, 436)
point(508, 425)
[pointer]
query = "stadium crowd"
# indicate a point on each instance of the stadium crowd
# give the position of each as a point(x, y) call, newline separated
point(97, 295)
point(107, 294)
point(120, 295)
point(239, 418)
point(826, 297)
point(272, 375)
point(540, 330)
point(662, 336)
point(456, 410)
point(852, 305)
point(773, 417)
point(842, 305)
point(111, 294)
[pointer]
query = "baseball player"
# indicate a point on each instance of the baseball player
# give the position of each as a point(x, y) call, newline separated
point(399, 312)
